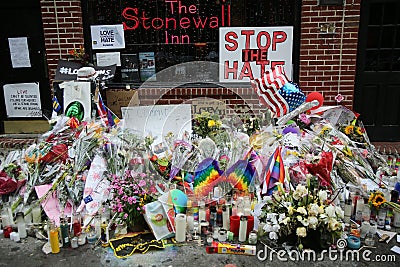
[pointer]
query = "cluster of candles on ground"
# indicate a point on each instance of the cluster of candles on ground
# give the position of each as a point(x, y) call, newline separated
point(218, 218)
point(71, 231)
point(362, 222)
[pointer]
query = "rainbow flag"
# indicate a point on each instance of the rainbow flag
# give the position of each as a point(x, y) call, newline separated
point(240, 175)
point(106, 115)
point(206, 177)
point(274, 172)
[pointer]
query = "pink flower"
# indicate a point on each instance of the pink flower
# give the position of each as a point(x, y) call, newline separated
point(142, 174)
point(142, 183)
point(138, 208)
point(125, 215)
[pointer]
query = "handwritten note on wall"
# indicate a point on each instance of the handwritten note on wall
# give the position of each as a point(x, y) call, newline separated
point(22, 100)
point(19, 52)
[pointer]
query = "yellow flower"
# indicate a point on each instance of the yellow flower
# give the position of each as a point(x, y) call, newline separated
point(349, 129)
point(359, 131)
point(211, 123)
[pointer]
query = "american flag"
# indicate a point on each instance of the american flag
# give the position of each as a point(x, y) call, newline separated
point(267, 89)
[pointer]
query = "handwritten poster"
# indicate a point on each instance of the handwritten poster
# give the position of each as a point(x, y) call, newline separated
point(22, 100)
point(247, 52)
point(19, 52)
point(159, 120)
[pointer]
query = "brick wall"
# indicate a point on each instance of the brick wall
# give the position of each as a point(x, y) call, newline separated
point(63, 31)
point(239, 100)
point(320, 67)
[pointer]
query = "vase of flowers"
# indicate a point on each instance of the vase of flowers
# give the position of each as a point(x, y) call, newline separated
point(304, 216)
point(131, 192)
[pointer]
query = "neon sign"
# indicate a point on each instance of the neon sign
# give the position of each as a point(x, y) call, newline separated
point(178, 17)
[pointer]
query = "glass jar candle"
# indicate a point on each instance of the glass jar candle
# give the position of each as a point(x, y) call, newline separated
point(21, 225)
point(77, 223)
point(53, 233)
point(64, 229)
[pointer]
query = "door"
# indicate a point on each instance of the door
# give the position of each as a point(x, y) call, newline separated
point(377, 91)
point(22, 18)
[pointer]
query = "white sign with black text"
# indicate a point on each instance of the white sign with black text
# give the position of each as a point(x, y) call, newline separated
point(22, 100)
point(107, 36)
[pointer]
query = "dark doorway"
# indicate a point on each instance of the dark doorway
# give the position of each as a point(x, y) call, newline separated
point(377, 91)
point(22, 18)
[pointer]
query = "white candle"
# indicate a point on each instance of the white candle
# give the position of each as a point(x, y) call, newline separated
point(190, 223)
point(180, 227)
point(225, 218)
point(37, 214)
point(242, 229)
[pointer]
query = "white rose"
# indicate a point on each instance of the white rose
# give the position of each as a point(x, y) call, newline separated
point(301, 231)
point(302, 210)
point(305, 222)
point(313, 222)
point(339, 212)
point(313, 210)
point(323, 195)
point(300, 191)
point(333, 225)
point(330, 211)
point(285, 221)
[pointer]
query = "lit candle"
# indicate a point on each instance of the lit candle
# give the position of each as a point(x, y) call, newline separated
point(180, 227)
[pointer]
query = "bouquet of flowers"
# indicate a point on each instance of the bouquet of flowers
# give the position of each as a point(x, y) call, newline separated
point(206, 124)
point(302, 216)
point(131, 193)
point(377, 200)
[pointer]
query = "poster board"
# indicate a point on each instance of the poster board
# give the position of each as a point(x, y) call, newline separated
point(22, 100)
point(78, 91)
point(159, 120)
point(117, 98)
point(130, 68)
point(107, 36)
point(247, 52)
point(147, 66)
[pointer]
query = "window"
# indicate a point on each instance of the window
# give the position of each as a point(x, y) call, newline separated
point(177, 31)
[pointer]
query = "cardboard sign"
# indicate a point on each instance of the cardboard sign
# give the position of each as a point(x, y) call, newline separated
point(159, 120)
point(209, 105)
point(107, 36)
point(22, 100)
point(68, 70)
point(247, 52)
point(117, 98)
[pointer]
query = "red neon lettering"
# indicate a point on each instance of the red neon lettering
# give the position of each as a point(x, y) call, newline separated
point(185, 23)
point(144, 18)
point(172, 4)
point(268, 38)
point(228, 39)
point(247, 33)
point(154, 24)
point(126, 15)
point(229, 70)
point(279, 37)
point(170, 19)
point(246, 71)
point(199, 22)
point(213, 22)
point(192, 9)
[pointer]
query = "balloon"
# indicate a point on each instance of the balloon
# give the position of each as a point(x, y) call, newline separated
point(315, 96)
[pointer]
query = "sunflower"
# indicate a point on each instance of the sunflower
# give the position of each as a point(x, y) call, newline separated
point(377, 199)
point(359, 131)
point(349, 129)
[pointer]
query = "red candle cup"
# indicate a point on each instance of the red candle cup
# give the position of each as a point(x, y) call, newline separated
point(7, 231)
point(235, 222)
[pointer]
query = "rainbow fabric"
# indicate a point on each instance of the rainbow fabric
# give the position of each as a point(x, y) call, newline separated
point(206, 177)
point(106, 115)
point(274, 172)
point(240, 175)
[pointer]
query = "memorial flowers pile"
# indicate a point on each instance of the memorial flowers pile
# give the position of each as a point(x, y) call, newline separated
point(130, 193)
point(303, 216)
